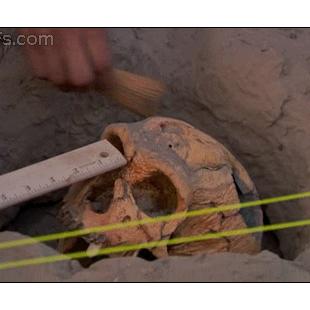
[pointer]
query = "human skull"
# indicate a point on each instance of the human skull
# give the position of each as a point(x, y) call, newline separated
point(172, 167)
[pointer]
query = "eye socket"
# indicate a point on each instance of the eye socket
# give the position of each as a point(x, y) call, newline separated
point(155, 195)
point(116, 142)
point(101, 194)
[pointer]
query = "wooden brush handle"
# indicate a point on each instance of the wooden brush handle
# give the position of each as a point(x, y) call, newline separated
point(138, 93)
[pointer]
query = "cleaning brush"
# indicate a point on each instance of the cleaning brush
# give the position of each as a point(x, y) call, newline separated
point(137, 93)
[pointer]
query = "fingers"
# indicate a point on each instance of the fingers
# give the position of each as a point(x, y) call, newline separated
point(99, 55)
point(78, 63)
point(76, 57)
point(97, 49)
point(54, 62)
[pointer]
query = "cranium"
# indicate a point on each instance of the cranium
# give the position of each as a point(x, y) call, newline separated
point(172, 167)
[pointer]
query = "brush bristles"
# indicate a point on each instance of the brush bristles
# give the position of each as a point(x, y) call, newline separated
point(138, 93)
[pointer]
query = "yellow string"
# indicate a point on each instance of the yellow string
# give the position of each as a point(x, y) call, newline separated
point(164, 218)
point(135, 247)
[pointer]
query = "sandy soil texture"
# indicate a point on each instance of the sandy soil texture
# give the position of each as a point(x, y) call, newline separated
point(220, 267)
point(248, 88)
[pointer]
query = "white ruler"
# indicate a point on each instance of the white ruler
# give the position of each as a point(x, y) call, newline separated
point(58, 172)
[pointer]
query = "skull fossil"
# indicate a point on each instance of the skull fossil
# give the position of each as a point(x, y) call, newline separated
point(171, 167)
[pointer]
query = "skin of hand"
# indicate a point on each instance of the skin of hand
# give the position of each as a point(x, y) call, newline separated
point(77, 56)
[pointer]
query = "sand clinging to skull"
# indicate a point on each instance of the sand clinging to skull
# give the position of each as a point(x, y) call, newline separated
point(172, 167)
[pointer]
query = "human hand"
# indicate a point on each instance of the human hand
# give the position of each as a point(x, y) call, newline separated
point(73, 56)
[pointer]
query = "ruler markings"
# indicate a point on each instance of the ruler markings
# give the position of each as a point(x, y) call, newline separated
point(58, 172)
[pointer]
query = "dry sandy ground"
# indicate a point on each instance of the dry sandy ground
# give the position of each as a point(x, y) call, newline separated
point(222, 267)
point(248, 88)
